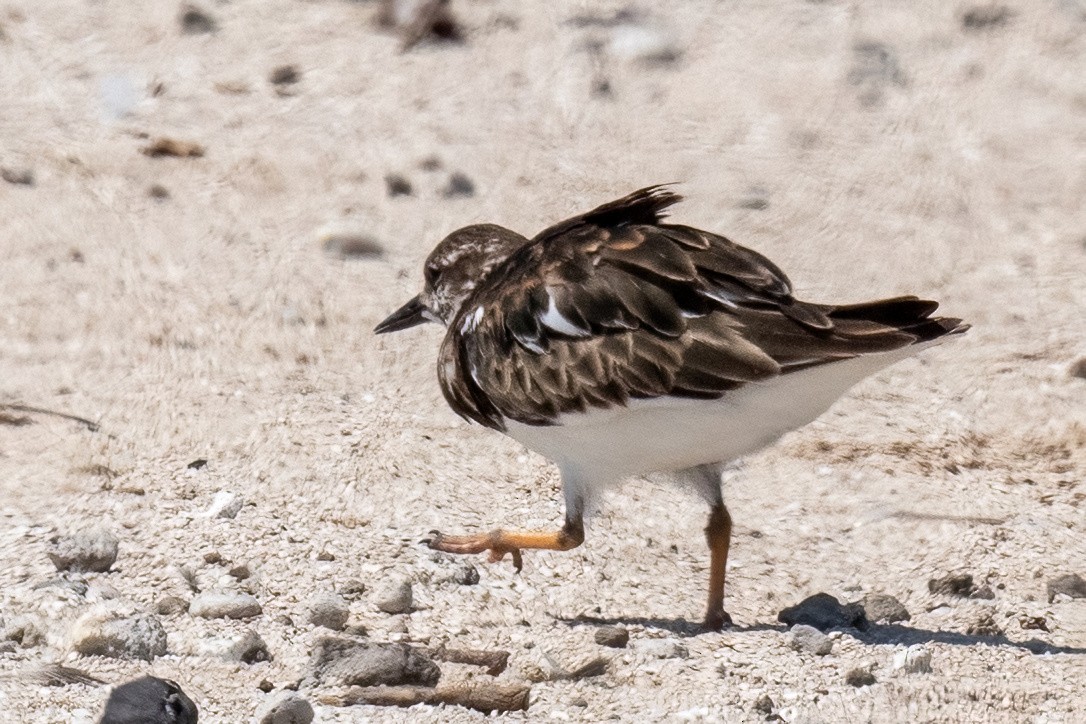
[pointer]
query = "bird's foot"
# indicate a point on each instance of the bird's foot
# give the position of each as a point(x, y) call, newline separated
point(717, 620)
point(495, 542)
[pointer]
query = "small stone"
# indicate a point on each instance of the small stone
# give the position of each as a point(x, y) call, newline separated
point(466, 574)
point(985, 625)
point(8, 647)
point(212, 557)
point(763, 705)
point(158, 192)
point(1033, 623)
point(859, 677)
point(225, 505)
point(89, 551)
point(325, 555)
point(430, 163)
point(329, 610)
point(643, 44)
point(265, 686)
point(17, 176)
point(284, 75)
point(149, 700)
point(955, 584)
point(197, 464)
point(913, 660)
point(1069, 584)
point(984, 593)
point(241, 572)
point(286, 707)
point(347, 662)
point(171, 606)
point(224, 604)
point(1078, 368)
point(177, 148)
point(247, 647)
point(195, 21)
point(824, 612)
point(349, 243)
point(139, 636)
point(662, 648)
point(76, 586)
point(395, 597)
point(986, 17)
point(398, 185)
point(24, 631)
point(882, 607)
point(352, 587)
point(615, 637)
point(810, 640)
point(459, 186)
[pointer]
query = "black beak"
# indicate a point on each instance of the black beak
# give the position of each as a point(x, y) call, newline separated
point(406, 316)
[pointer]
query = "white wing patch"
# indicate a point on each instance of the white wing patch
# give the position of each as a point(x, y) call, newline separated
point(554, 320)
point(472, 321)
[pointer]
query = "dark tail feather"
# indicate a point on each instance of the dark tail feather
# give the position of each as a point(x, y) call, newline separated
point(911, 315)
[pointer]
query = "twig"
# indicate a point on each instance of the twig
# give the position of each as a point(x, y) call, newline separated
point(484, 697)
point(91, 425)
point(494, 661)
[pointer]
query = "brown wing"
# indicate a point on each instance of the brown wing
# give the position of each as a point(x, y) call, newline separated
point(614, 305)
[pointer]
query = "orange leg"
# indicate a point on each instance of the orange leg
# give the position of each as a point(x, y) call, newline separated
point(499, 542)
point(719, 534)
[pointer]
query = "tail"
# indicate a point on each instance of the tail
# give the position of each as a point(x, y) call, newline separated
point(909, 315)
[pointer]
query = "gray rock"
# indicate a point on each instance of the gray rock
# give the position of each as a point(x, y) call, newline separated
point(349, 244)
point(986, 17)
point(247, 647)
point(882, 607)
point(351, 587)
point(25, 631)
point(225, 505)
point(286, 707)
point(149, 700)
point(466, 574)
point(662, 648)
point(74, 585)
point(859, 677)
point(224, 604)
point(824, 612)
point(1069, 584)
point(87, 551)
point(395, 596)
point(398, 185)
point(18, 177)
point(8, 647)
point(139, 636)
point(348, 662)
point(195, 21)
point(329, 610)
point(810, 640)
point(984, 625)
point(171, 606)
point(1078, 367)
point(459, 186)
point(763, 705)
point(913, 660)
point(955, 584)
point(615, 637)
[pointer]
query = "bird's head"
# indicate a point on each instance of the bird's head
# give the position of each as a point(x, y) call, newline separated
point(452, 272)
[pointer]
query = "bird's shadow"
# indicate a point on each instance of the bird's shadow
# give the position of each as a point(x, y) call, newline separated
point(874, 634)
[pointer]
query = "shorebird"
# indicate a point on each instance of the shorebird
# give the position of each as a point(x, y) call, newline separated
point(617, 345)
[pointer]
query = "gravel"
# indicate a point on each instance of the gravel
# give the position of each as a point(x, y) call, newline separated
point(88, 551)
point(284, 707)
point(224, 604)
point(339, 661)
point(824, 612)
point(106, 633)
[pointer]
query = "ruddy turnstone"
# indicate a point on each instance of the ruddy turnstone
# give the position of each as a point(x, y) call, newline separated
point(617, 345)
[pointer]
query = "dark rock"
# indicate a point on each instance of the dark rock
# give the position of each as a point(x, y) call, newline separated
point(351, 245)
point(466, 574)
point(956, 584)
point(615, 637)
point(90, 551)
point(197, 464)
point(882, 607)
point(284, 75)
point(824, 612)
point(348, 662)
point(161, 193)
point(459, 186)
point(17, 176)
point(984, 593)
point(763, 705)
point(212, 557)
point(326, 555)
point(1033, 623)
point(1069, 584)
point(398, 185)
point(1078, 368)
point(986, 17)
point(985, 625)
point(149, 700)
point(859, 677)
point(241, 572)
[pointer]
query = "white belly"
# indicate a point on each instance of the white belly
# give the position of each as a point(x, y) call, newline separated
point(668, 434)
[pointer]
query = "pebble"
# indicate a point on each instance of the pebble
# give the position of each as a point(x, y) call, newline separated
point(247, 647)
point(985, 625)
point(241, 572)
point(859, 677)
point(348, 662)
point(171, 606)
point(329, 610)
point(87, 551)
point(285, 707)
point(824, 612)
point(809, 639)
point(763, 705)
point(195, 21)
point(24, 631)
point(149, 700)
point(1078, 368)
point(1070, 584)
point(106, 633)
point(224, 604)
point(346, 243)
point(284, 75)
point(662, 648)
point(8, 647)
point(17, 176)
point(986, 17)
point(395, 596)
point(955, 584)
point(466, 574)
point(913, 660)
point(459, 186)
point(398, 185)
point(225, 505)
point(882, 607)
point(615, 637)
point(644, 44)
point(351, 587)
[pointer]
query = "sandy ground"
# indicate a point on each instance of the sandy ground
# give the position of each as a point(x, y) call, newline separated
point(870, 148)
